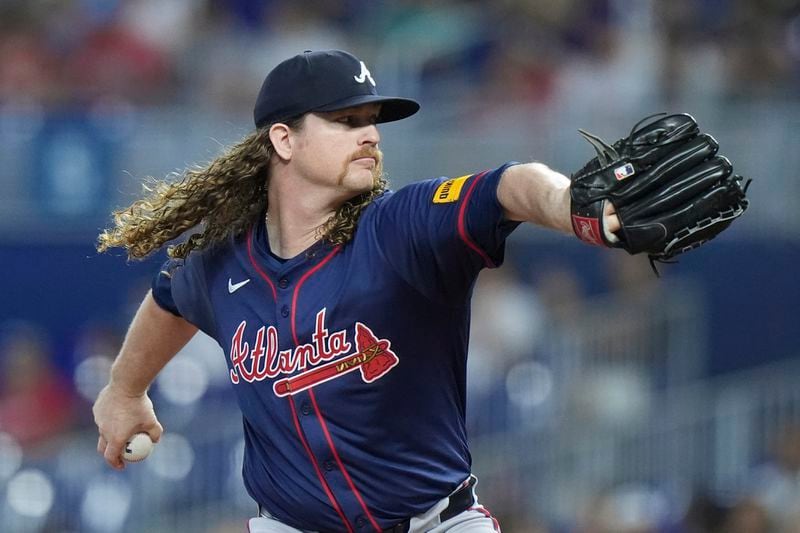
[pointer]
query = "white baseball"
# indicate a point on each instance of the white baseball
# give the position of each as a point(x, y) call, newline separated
point(138, 448)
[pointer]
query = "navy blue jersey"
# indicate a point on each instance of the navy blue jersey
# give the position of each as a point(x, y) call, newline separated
point(349, 362)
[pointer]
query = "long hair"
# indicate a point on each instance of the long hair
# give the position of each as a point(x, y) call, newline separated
point(222, 199)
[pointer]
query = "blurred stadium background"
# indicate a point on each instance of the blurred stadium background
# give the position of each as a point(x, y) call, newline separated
point(602, 399)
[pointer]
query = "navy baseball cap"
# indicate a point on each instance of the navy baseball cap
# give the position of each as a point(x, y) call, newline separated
point(323, 81)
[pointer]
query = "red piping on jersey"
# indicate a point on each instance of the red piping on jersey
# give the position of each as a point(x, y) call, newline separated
point(485, 512)
point(255, 265)
point(341, 465)
point(314, 400)
point(322, 481)
point(462, 222)
point(300, 283)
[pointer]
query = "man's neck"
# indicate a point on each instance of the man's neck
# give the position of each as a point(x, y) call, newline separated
point(295, 213)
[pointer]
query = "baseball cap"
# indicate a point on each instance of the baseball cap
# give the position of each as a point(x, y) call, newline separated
point(324, 80)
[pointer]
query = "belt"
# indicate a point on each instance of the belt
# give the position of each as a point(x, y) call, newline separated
point(460, 500)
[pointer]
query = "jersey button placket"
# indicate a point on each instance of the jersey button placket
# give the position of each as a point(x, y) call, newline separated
point(325, 462)
point(308, 416)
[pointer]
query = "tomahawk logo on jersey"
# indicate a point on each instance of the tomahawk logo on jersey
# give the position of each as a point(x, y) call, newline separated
point(342, 352)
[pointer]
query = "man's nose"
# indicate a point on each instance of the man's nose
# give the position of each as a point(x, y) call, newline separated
point(370, 135)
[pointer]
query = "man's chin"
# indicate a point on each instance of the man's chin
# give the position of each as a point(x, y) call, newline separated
point(356, 185)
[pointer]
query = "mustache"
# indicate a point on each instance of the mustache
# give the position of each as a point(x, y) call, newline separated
point(368, 151)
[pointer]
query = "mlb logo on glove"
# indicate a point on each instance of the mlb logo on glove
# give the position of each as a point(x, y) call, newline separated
point(625, 171)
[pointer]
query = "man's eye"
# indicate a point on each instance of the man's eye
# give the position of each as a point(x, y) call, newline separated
point(357, 121)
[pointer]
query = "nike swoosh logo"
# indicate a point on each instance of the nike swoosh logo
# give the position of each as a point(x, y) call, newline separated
point(233, 287)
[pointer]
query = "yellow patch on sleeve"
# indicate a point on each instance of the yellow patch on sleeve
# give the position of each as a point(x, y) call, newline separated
point(450, 190)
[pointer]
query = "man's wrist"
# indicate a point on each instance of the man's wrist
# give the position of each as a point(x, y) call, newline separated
point(125, 389)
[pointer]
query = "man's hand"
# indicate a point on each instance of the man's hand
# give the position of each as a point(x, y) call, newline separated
point(610, 220)
point(122, 407)
point(118, 416)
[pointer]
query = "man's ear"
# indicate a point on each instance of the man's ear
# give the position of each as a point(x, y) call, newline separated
point(280, 136)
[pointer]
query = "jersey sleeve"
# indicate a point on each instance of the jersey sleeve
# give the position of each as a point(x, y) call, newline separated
point(438, 234)
point(162, 288)
point(180, 288)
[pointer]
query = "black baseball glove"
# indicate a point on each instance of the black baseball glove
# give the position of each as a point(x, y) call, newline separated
point(670, 189)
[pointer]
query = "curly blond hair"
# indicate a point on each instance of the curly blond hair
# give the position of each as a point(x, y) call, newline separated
point(224, 198)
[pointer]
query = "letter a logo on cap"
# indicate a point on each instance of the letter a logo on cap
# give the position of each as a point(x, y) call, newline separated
point(364, 75)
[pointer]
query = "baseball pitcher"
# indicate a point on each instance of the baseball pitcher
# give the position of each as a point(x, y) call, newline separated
point(343, 307)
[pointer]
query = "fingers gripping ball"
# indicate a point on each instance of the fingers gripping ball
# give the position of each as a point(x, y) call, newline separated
point(138, 448)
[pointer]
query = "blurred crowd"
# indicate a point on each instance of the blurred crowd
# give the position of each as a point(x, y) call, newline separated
point(550, 356)
point(146, 52)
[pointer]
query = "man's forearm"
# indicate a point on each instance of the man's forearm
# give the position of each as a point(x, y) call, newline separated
point(535, 193)
point(153, 339)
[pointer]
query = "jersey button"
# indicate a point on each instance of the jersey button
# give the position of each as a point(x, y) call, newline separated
point(361, 521)
point(328, 465)
point(285, 311)
point(283, 283)
point(305, 408)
